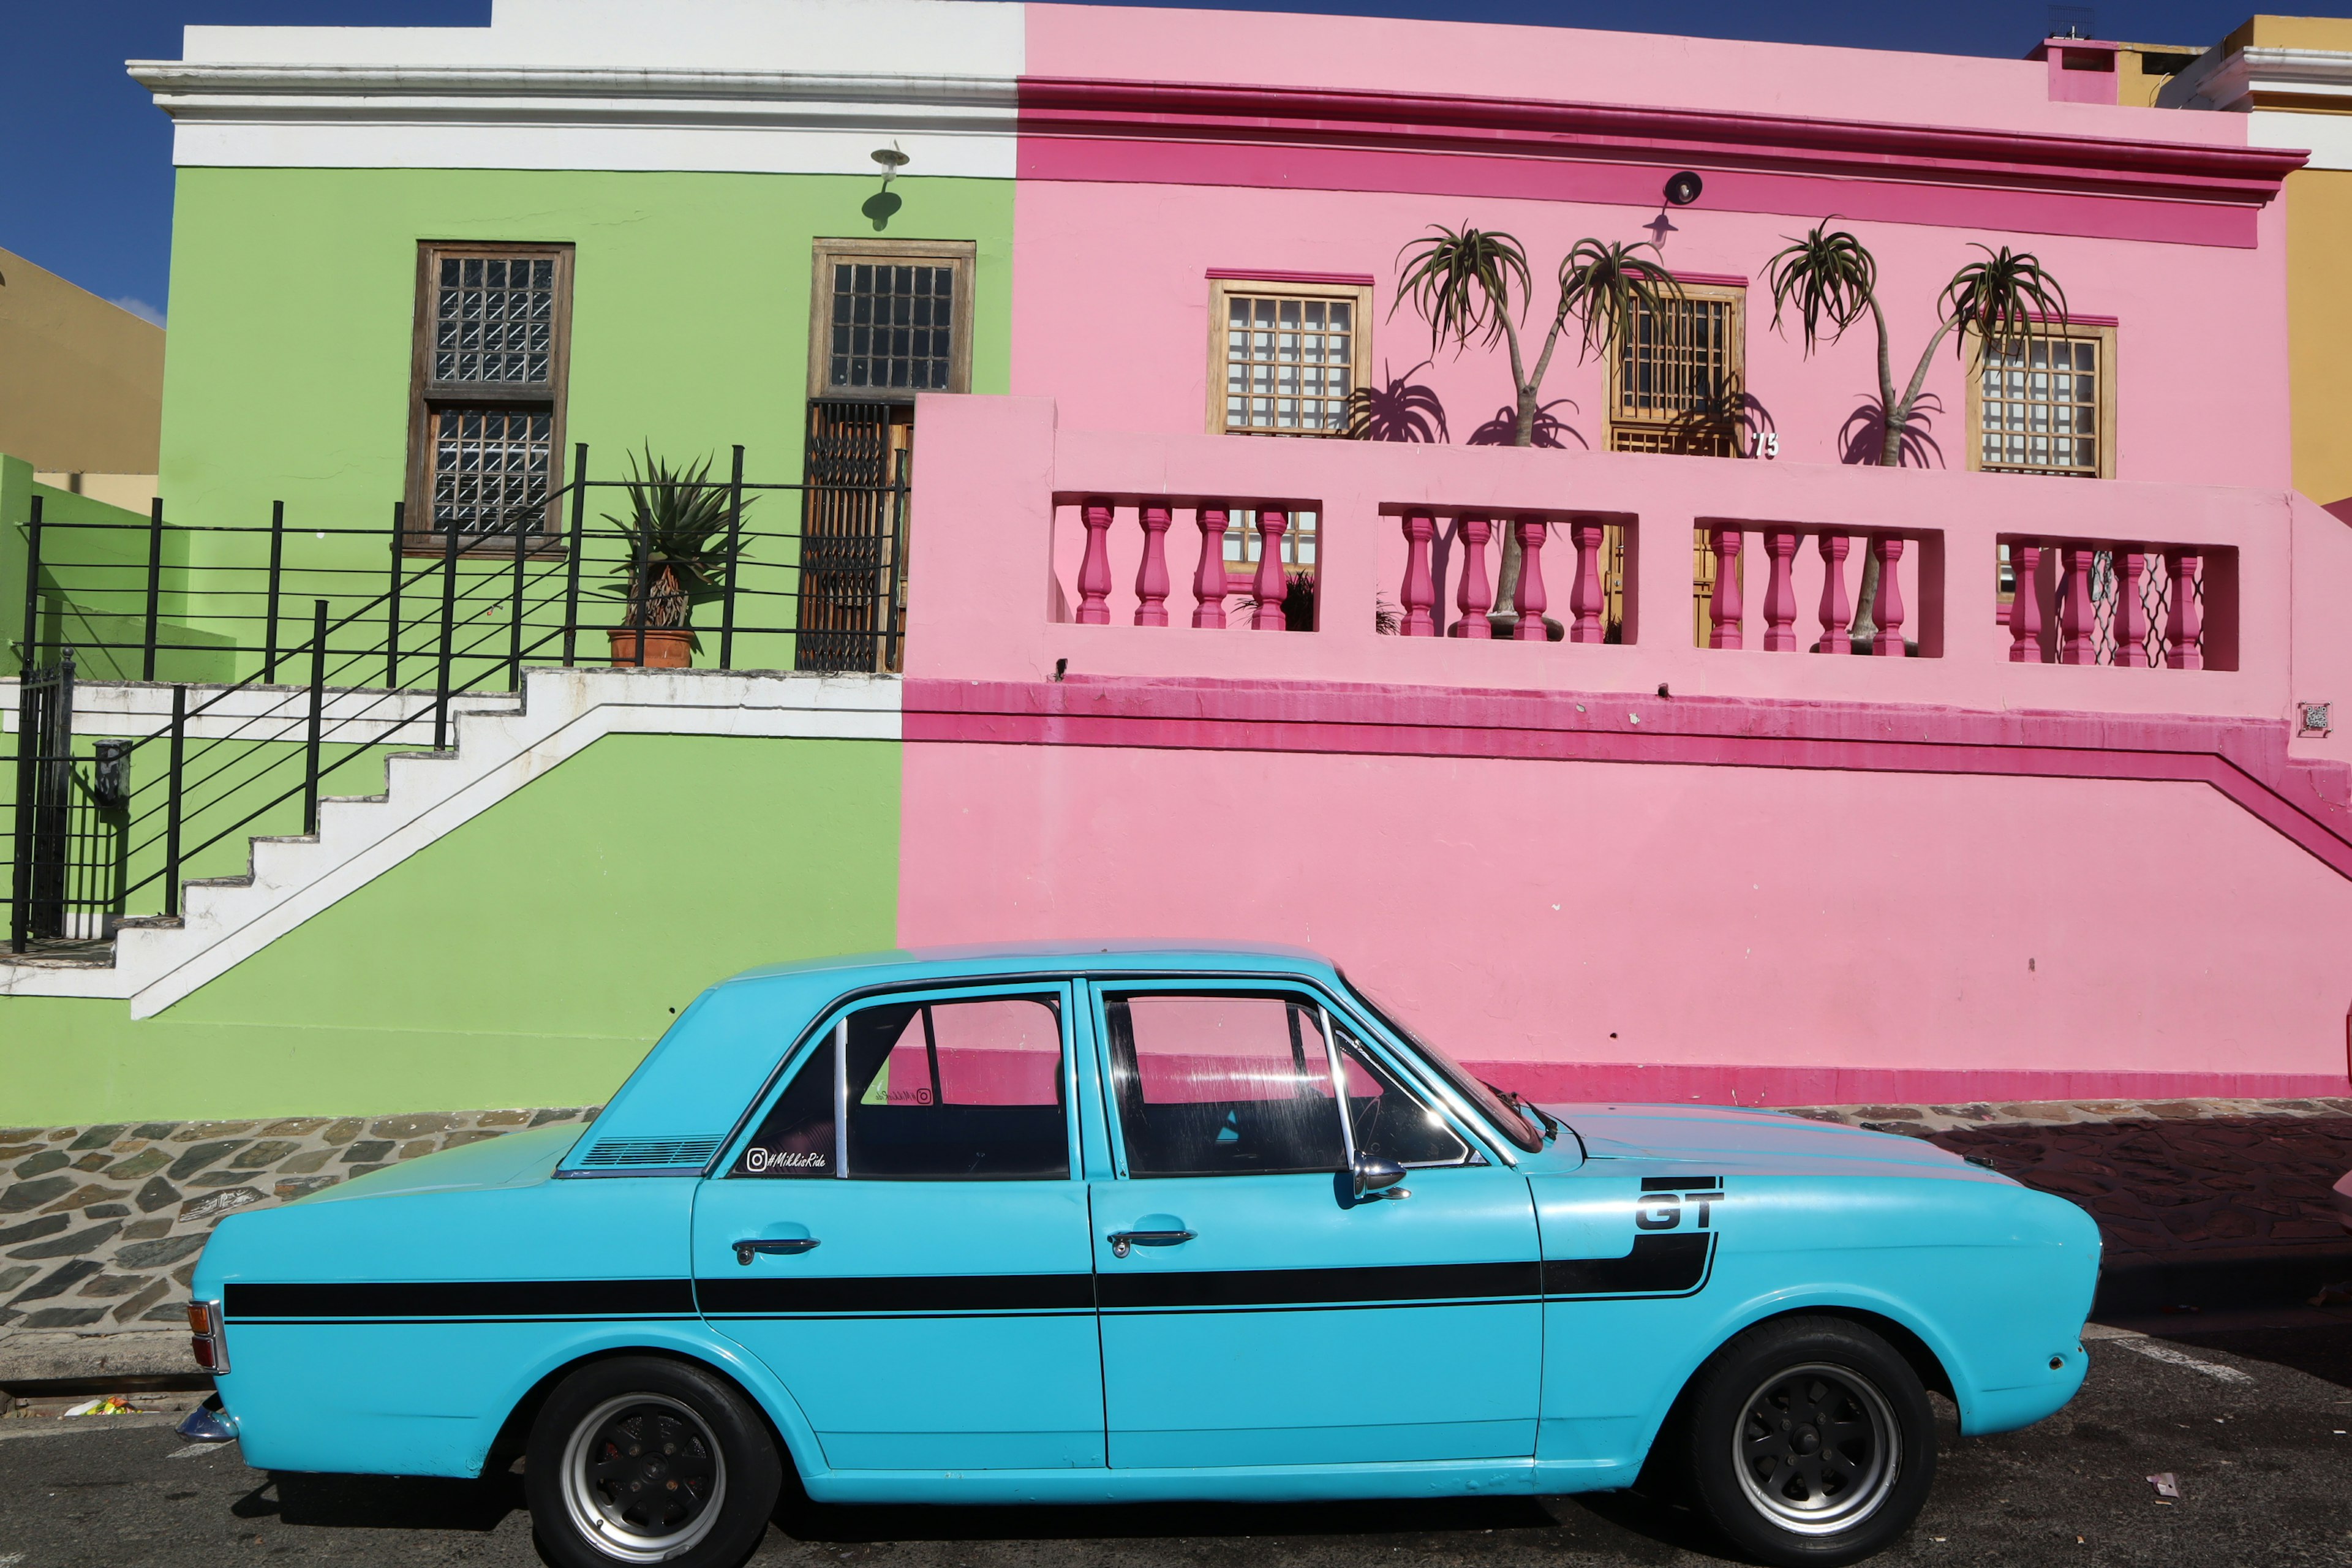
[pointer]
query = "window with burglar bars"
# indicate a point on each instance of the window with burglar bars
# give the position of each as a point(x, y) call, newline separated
point(890, 319)
point(486, 420)
point(1284, 361)
point(2045, 405)
point(1675, 377)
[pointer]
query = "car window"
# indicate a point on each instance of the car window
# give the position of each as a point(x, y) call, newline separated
point(967, 1089)
point(1388, 1120)
point(1222, 1084)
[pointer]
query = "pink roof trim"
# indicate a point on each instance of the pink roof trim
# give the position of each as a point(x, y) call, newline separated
point(1270, 275)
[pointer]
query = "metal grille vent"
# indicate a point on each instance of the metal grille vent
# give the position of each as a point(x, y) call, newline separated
point(651, 1151)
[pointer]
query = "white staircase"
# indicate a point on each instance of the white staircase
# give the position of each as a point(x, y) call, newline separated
point(500, 743)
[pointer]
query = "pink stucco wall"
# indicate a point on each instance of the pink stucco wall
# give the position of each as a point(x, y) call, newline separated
point(1792, 874)
point(1110, 316)
point(1123, 209)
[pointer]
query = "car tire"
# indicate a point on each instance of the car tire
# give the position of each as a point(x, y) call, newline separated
point(640, 1460)
point(1760, 1466)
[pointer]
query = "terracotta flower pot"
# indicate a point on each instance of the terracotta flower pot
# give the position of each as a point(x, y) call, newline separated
point(666, 647)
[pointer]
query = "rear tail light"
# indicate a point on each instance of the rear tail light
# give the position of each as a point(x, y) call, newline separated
point(207, 1338)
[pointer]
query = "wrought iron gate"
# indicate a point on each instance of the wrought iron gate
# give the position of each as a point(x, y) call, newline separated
point(852, 588)
point(71, 842)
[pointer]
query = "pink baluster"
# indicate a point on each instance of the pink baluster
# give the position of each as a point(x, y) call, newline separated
point(1887, 608)
point(1094, 569)
point(1475, 595)
point(2075, 621)
point(2184, 627)
point(2025, 604)
point(2131, 616)
point(1781, 591)
point(1420, 592)
point(1269, 586)
point(1585, 598)
point(1837, 613)
point(1528, 598)
point(1725, 610)
point(1151, 577)
point(1209, 579)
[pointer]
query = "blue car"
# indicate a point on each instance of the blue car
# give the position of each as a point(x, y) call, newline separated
point(1096, 1225)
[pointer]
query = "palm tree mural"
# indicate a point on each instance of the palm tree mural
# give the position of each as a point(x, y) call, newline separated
point(1830, 280)
point(1474, 286)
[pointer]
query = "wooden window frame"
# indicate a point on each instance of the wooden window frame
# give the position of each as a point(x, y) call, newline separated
point(1222, 290)
point(963, 253)
point(418, 535)
point(2102, 333)
point(1735, 370)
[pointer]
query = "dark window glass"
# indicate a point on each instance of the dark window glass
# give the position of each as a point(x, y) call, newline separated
point(796, 1137)
point(892, 326)
point(1389, 1119)
point(494, 320)
point(1223, 1085)
point(967, 1089)
point(489, 472)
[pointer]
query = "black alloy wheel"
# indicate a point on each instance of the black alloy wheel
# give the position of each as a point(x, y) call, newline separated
point(1809, 1442)
point(643, 1460)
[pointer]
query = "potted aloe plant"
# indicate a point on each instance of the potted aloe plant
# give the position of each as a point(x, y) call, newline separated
point(678, 531)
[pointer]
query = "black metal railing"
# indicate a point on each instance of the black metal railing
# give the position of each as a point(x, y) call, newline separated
point(111, 832)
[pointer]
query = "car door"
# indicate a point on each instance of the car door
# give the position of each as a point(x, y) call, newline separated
point(1254, 1310)
point(899, 1236)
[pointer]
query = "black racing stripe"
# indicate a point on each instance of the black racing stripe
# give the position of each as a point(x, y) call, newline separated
point(1658, 1266)
point(1318, 1287)
point(465, 1298)
point(1682, 1184)
point(908, 1295)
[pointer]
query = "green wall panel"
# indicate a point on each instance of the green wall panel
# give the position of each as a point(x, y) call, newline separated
point(528, 958)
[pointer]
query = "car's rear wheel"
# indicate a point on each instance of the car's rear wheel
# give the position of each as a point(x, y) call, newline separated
point(1809, 1442)
point(642, 1461)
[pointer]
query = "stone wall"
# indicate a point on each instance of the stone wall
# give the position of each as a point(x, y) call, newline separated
point(100, 1226)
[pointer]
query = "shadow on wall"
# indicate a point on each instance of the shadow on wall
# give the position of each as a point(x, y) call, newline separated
point(1864, 434)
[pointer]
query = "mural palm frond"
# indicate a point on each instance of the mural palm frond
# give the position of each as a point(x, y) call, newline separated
point(2007, 295)
point(1461, 281)
point(1829, 277)
point(1605, 286)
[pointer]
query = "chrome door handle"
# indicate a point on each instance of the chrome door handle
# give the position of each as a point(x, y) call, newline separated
point(1120, 1240)
point(788, 1245)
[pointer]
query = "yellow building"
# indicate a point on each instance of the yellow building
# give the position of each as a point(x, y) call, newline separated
point(2292, 76)
point(81, 386)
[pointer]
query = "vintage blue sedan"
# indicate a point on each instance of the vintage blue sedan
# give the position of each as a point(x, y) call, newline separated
point(1086, 1224)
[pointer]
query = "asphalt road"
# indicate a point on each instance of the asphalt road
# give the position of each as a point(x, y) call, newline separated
point(2263, 1448)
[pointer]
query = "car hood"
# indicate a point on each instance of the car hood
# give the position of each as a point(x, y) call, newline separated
point(1753, 1141)
point(510, 1160)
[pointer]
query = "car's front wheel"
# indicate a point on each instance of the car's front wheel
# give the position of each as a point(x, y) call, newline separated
point(1809, 1442)
point(642, 1461)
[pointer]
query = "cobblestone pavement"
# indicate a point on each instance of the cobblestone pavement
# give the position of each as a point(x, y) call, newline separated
point(100, 1226)
point(2211, 1184)
point(2261, 1458)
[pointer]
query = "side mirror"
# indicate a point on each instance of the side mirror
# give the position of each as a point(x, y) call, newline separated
point(1378, 1178)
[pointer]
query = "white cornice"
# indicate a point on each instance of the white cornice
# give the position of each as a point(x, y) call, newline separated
point(554, 117)
point(2227, 82)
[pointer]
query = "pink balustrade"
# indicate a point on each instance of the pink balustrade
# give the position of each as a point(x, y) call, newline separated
point(1418, 553)
point(2125, 603)
point(1793, 575)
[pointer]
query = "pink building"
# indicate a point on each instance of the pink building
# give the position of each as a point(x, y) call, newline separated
point(2086, 838)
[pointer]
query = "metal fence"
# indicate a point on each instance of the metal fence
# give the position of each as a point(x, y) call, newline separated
point(288, 657)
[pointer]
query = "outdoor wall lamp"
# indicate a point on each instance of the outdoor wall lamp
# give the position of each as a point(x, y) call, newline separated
point(1681, 189)
point(892, 161)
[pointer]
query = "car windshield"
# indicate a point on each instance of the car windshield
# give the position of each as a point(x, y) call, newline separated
point(1506, 1117)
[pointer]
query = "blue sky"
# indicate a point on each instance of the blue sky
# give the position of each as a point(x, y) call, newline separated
point(86, 157)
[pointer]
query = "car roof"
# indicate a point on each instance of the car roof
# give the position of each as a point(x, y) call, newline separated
point(981, 959)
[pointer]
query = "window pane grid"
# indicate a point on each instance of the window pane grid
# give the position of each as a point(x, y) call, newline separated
point(494, 320)
point(1244, 548)
point(490, 469)
point(2040, 407)
point(893, 327)
point(1289, 363)
point(1676, 382)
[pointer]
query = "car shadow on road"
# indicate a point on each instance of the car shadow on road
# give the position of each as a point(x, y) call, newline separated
point(382, 1502)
